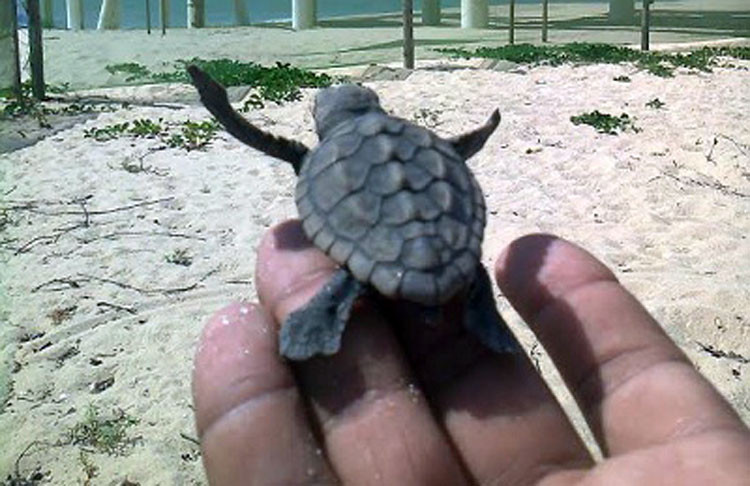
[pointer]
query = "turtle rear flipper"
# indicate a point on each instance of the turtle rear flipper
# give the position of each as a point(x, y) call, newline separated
point(483, 320)
point(214, 98)
point(316, 328)
point(472, 142)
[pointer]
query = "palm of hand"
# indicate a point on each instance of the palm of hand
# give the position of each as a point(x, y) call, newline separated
point(474, 417)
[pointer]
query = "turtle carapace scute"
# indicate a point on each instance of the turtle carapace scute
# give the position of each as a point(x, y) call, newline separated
point(391, 202)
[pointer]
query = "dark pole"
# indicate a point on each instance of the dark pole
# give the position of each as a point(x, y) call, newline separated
point(163, 16)
point(14, 40)
point(512, 30)
point(148, 16)
point(645, 24)
point(408, 34)
point(36, 55)
point(545, 19)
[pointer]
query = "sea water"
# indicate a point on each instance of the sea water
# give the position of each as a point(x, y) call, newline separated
point(221, 12)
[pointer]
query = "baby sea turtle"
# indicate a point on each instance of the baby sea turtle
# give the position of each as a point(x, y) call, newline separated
point(391, 202)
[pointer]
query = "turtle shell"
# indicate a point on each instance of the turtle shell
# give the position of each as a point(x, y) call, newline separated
point(396, 205)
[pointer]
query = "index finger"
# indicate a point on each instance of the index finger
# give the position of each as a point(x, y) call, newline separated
point(250, 417)
point(633, 384)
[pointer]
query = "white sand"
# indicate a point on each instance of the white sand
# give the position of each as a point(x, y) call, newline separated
point(670, 220)
point(667, 208)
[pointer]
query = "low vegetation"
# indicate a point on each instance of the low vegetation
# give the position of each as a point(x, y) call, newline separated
point(605, 123)
point(180, 256)
point(656, 104)
point(657, 63)
point(189, 135)
point(103, 434)
point(278, 84)
point(13, 105)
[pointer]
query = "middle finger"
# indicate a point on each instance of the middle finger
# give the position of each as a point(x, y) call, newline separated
point(375, 425)
point(503, 419)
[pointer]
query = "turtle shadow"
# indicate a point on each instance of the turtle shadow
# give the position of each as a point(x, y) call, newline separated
point(289, 236)
point(525, 258)
point(453, 370)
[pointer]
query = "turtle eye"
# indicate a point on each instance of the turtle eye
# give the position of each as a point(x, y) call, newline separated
point(359, 111)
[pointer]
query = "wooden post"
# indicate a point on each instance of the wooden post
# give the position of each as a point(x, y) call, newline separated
point(408, 34)
point(10, 69)
point(240, 13)
point(75, 14)
point(645, 24)
point(512, 18)
point(148, 17)
point(196, 14)
point(109, 15)
point(36, 54)
point(164, 15)
point(545, 20)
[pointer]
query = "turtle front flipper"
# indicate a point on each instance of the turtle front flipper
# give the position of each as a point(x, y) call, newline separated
point(483, 320)
point(317, 327)
point(470, 143)
point(214, 98)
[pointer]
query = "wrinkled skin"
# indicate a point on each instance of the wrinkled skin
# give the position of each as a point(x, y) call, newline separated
point(392, 408)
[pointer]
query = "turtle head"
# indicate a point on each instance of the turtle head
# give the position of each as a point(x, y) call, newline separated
point(339, 103)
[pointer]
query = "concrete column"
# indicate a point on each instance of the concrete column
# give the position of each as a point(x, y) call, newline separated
point(165, 8)
point(10, 75)
point(75, 14)
point(303, 14)
point(240, 13)
point(621, 11)
point(431, 12)
point(48, 20)
point(196, 14)
point(109, 15)
point(475, 14)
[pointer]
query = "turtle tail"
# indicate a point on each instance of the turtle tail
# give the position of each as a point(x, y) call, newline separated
point(214, 98)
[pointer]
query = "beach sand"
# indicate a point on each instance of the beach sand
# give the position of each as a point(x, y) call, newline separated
point(97, 315)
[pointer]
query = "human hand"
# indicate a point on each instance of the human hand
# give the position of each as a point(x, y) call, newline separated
point(401, 404)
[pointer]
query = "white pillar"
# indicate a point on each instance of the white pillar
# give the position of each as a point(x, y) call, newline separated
point(109, 15)
point(431, 12)
point(303, 14)
point(9, 69)
point(196, 14)
point(48, 20)
point(475, 14)
point(75, 14)
point(240, 13)
point(621, 11)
